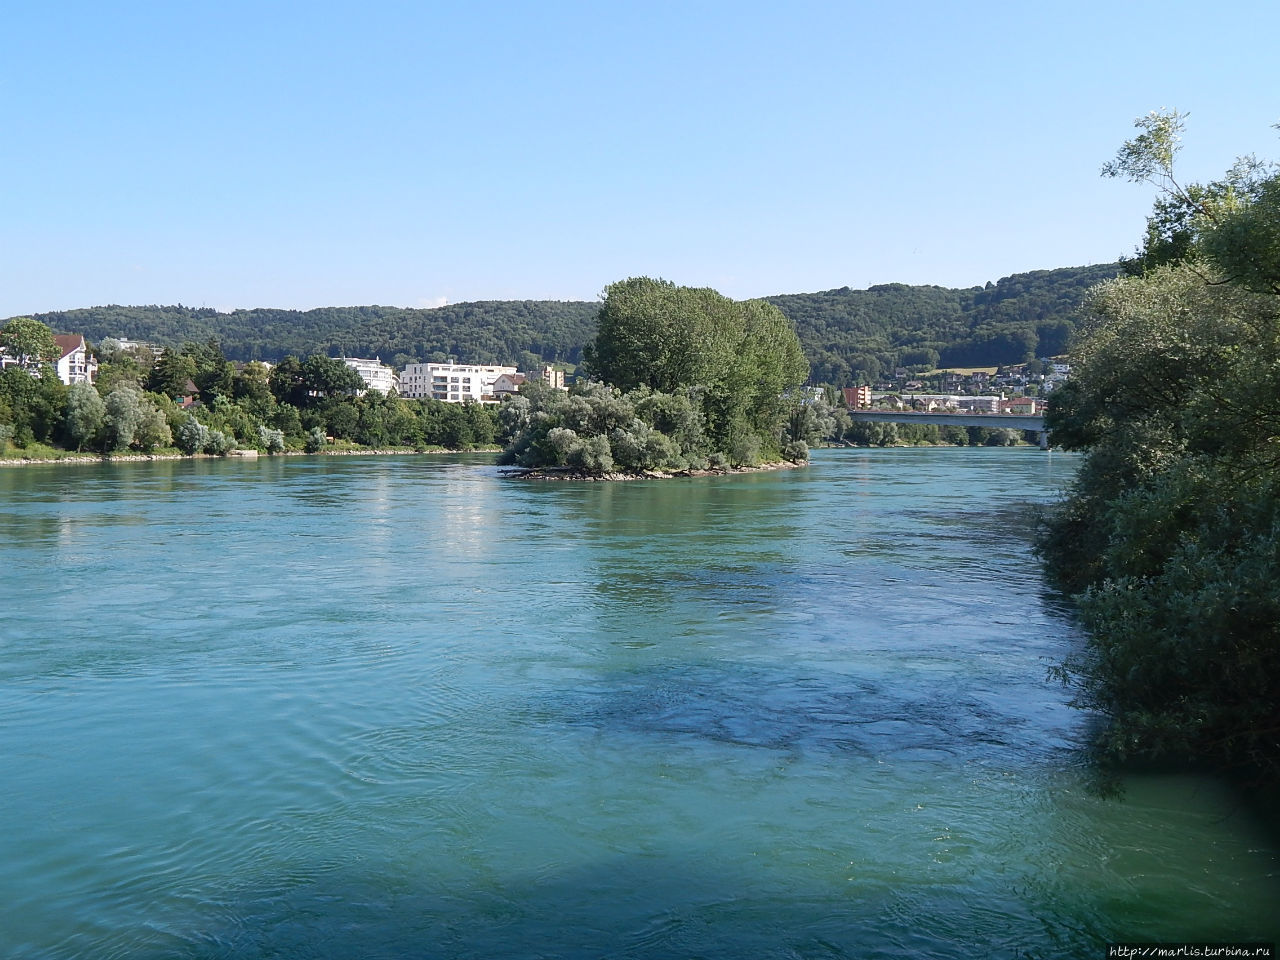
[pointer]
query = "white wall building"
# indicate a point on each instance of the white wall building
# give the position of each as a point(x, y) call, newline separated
point(451, 382)
point(375, 374)
point(75, 364)
point(508, 384)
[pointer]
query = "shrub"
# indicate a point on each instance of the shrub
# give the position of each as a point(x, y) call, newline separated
point(315, 440)
point(193, 436)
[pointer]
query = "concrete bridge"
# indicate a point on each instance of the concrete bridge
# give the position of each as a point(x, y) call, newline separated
point(1010, 421)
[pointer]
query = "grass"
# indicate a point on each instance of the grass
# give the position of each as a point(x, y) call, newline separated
point(963, 371)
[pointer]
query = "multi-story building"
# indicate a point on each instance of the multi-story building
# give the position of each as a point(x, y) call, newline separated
point(375, 374)
point(857, 398)
point(551, 377)
point(451, 382)
point(75, 363)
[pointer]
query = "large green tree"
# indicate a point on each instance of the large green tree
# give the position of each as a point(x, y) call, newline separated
point(28, 341)
point(740, 358)
point(85, 413)
point(1171, 533)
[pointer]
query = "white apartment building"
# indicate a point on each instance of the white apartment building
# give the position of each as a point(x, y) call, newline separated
point(375, 374)
point(75, 363)
point(451, 382)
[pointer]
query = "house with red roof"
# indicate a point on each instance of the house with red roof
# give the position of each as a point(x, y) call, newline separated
point(75, 364)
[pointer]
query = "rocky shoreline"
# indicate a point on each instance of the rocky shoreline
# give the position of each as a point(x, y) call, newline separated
point(569, 473)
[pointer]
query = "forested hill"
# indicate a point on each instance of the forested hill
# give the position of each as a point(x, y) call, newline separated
point(848, 335)
point(523, 332)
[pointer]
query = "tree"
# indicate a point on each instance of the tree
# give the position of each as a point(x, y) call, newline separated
point(1169, 537)
point(740, 358)
point(33, 406)
point(173, 375)
point(122, 416)
point(153, 427)
point(192, 436)
point(215, 375)
point(29, 342)
point(1232, 223)
point(84, 416)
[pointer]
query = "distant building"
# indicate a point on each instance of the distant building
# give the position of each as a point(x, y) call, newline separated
point(451, 382)
point(1022, 405)
point(75, 364)
point(375, 374)
point(139, 348)
point(508, 384)
point(857, 398)
point(551, 377)
point(979, 404)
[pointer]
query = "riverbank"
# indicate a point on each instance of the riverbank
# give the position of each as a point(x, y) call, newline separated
point(71, 459)
point(569, 473)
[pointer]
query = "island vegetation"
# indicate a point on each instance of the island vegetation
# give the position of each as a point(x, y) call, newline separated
point(1170, 538)
point(685, 379)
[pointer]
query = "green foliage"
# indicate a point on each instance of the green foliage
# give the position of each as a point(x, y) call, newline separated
point(736, 359)
point(597, 429)
point(315, 440)
point(28, 341)
point(173, 374)
point(1169, 536)
point(490, 331)
point(84, 415)
point(33, 406)
point(219, 443)
point(270, 440)
point(860, 336)
point(848, 336)
point(153, 428)
point(192, 437)
point(131, 419)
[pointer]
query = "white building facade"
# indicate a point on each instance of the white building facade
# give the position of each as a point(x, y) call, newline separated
point(451, 382)
point(75, 364)
point(375, 374)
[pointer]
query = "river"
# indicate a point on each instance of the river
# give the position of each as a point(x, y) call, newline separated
point(403, 707)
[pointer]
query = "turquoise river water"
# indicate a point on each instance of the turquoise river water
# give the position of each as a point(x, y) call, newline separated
point(404, 707)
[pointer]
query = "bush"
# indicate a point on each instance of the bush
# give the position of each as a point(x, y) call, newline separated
point(220, 443)
point(797, 451)
point(193, 436)
point(315, 440)
point(271, 441)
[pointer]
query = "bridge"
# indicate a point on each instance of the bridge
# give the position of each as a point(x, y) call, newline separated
point(1011, 421)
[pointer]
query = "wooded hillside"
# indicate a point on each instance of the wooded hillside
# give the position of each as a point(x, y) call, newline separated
point(849, 336)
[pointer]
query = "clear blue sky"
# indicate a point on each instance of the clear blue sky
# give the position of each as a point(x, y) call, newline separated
point(239, 154)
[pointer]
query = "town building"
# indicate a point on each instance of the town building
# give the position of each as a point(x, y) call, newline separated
point(451, 382)
point(1028, 406)
point(508, 384)
point(139, 348)
point(375, 374)
point(75, 363)
point(857, 398)
point(551, 377)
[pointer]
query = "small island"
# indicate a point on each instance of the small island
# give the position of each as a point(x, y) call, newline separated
point(685, 382)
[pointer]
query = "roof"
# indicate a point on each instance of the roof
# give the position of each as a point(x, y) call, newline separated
point(68, 343)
